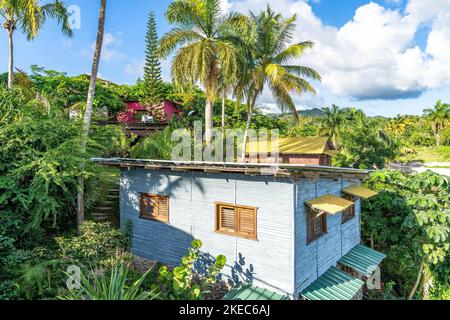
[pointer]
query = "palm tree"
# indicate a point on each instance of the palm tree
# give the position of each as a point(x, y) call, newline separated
point(438, 117)
point(332, 123)
point(29, 16)
point(205, 51)
point(398, 125)
point(90, 102)
point(268, 56)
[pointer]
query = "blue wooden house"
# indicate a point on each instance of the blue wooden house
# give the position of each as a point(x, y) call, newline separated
point(291, 229)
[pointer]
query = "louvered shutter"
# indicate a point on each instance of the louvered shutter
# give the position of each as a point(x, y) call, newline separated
point(247, 222)
point(227, 218)
point(163, 208)
point(155, 207)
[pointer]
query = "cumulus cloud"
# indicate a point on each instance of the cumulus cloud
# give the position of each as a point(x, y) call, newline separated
point(374, 55)
point(111, 48)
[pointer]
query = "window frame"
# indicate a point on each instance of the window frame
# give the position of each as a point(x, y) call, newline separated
point(312, 214)
point(158, 217)
point(345, 216)
point(236, 232)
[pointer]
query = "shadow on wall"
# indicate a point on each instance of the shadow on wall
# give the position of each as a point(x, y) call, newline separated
point(164, 242)
point(160, 182)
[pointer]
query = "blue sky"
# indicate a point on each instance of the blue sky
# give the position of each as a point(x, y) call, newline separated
point(385, 57)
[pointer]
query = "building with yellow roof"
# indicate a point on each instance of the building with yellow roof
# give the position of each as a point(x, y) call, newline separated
point(296, 150)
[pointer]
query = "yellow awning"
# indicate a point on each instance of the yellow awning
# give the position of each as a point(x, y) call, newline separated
point(360, 192)
point(330, 204)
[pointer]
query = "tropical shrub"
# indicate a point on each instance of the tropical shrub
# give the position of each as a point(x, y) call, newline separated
point(177, 284)
point(409, 220)
point(95, 246)
point(115, 284)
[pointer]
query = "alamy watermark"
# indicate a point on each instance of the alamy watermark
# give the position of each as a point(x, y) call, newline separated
point(74, 17)
point(226, 146)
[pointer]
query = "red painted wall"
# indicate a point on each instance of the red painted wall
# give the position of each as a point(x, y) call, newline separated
point(134, 107)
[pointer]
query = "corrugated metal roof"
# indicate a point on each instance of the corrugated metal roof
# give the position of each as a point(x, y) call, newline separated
point(360, 191)
point(297, 145)
point(330, 204)
point(333, 285)
point(362, 259)
point(248, 292)
point(264, 169)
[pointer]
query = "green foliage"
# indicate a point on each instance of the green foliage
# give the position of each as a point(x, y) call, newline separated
point(115, 284)
point(66, 93)
point(96, 244)
point(409, 220)
point(158, 145)
point(366, 146)
point(178, 285)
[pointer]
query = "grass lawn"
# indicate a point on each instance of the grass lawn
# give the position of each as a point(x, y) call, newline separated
point(428, 154)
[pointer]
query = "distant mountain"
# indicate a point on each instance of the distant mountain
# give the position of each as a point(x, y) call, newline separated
point(311, 112)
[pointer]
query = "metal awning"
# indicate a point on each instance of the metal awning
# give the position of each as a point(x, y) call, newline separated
point(329, 203)
point(249, 292)
point(360, 191)
point(333, 285)
point(362, 259)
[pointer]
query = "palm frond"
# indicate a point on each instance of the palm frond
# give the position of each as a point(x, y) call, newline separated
point(303, 71)
point(188, 14)
point(177, 37)
point(295, 51)
point(58, 11)
point(282, 97)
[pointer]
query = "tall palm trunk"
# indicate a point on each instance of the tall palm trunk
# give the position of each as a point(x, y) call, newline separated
point(251, 105)
point(90, 102)
point(223, 113)
point(11, 58)
point(209, 121)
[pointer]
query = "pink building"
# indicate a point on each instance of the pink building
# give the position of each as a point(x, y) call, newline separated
point(162, 113)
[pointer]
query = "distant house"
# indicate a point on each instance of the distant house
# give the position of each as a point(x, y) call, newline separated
point(298, 150)
point(286, 230)
point(137, 113)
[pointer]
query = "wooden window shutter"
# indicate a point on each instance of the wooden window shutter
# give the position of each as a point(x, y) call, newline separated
point(236, 220)
point(247, 222)
point(316, 225)
point(154, 207)
point(227, 218)
point(163, 208)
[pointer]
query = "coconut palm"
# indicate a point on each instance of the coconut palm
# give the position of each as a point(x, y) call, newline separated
point(398, 125)
point(269, 55)
point(29, 17)
point(439, 118)
point(332, 123)
point(204, 49)
point(90, 101)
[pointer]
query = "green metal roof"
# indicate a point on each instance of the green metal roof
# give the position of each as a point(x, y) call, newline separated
point(333, 285)
point(248, 292)
point(362, 259)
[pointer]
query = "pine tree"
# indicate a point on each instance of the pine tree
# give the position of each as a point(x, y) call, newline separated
point(152, 69)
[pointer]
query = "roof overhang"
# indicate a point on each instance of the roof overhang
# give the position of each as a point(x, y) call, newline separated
point(329, 203)
point(360, 192)
point(363, 260)
point(249, 292)
point(254, 169)
point(333, 285)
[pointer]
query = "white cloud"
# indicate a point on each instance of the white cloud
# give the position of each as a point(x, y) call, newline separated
point(374, 55)
point(136, 68)
point(110, 50)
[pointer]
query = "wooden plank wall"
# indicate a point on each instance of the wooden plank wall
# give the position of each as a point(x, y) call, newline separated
point(314, 259)
point(267, 262)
